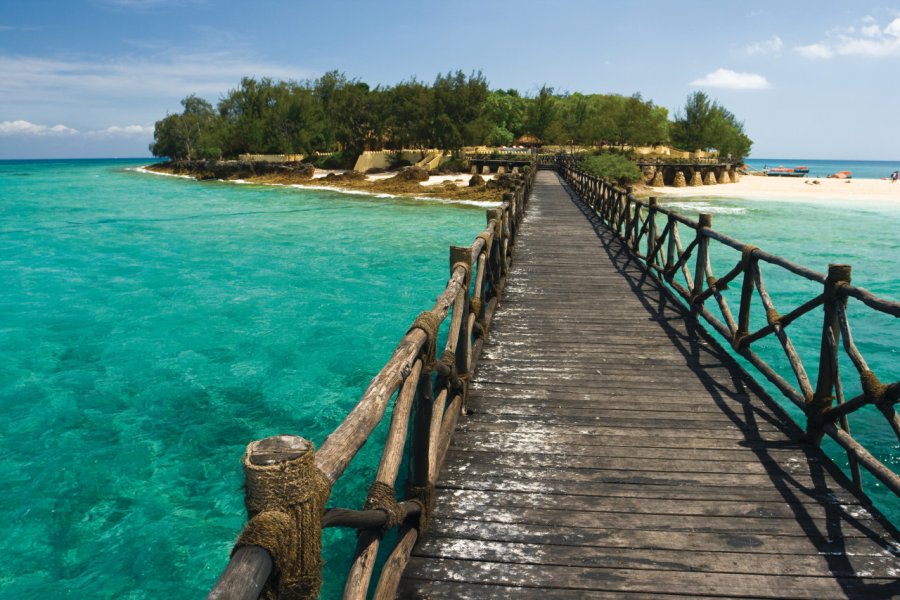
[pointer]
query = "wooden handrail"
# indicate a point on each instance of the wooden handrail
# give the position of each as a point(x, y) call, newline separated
point(630, 219)
point(429, 391)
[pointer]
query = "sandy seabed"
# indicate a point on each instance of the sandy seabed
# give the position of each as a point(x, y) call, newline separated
point(870, 191)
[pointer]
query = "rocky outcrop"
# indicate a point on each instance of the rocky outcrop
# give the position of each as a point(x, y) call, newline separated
point(411, 174)
point(235, 169)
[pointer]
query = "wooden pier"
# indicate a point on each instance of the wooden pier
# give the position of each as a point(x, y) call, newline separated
point(614, 447)
point(582, 435)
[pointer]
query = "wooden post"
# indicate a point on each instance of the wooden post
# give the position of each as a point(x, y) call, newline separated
point(651, 229)
point(251, 565)
point(705, 221)
point(670, 249)
point(463, 345)
point(822, 398)
point(629, 221)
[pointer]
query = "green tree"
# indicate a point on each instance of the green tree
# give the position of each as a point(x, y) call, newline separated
point(541, 112)
point(704, 124)
point(407, 120)
point(192, 134)
point(456, 107)
point(505, 109)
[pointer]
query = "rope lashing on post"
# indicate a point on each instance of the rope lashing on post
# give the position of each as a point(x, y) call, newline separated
point(424, 495)
point(714, 284)
point(487, 237)
point(447, 366)
point(747, 255)
point(466, 266)
point(428, 322)
point(475, 303)
point(381, 497)
point(737, 342)
point(285, 502)
point(772, 317)
point(874, 391)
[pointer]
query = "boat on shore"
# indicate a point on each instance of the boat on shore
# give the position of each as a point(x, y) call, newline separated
point(841, 175)
point(787, 171)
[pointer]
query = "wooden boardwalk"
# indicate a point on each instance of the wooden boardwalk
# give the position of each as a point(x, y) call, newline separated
point(615, 450)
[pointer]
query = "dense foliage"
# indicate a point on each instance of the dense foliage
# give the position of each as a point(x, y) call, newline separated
point(705, 124)
point(344, 116)
point(611, 166)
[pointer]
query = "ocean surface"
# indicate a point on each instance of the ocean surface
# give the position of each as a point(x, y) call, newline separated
point(861, 169)
point(150, 327)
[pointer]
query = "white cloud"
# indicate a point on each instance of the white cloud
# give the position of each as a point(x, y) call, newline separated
point(870, 30)
point(732, 80)
point(815, 51)
point(770, 46)
point(875, 42)
point(29, 79)
point(22, 127)
point(138, 131)
point(26, 128)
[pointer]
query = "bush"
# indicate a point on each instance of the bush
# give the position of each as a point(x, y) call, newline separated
point(613, 167)
point(454, 165)
point(337, 160)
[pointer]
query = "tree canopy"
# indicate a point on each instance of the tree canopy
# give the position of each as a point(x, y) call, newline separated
point(704, 124)
point(335, 113)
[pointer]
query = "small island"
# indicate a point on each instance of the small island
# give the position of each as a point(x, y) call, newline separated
point(415, 139)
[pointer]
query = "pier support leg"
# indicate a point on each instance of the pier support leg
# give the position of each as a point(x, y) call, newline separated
point(658, 179)
point(679, 180)
point(485, 170)
point(696, 178)
point(724, 177)
point(710, 178)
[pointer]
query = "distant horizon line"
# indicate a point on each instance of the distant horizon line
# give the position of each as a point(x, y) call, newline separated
point(772, 158)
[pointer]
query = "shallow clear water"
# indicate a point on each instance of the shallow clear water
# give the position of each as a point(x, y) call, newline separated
point(151, 327)
point(866, 237)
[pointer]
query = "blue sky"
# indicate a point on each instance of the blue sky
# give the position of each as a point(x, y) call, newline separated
point(809, 79)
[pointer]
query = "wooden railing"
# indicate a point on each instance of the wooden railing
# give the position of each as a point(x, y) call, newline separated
point(652, 234)
point(288, 482)
point(664, 161)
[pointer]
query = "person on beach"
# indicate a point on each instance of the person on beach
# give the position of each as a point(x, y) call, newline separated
point(894, 176)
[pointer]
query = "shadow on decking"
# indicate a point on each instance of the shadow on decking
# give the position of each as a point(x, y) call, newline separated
point(706, 359)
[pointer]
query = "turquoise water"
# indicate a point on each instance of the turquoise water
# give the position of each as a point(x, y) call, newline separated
point(814, 235)
point(151, 327)
point(861, 169)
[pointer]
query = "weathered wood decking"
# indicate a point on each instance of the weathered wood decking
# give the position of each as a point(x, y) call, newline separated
point(615, 450)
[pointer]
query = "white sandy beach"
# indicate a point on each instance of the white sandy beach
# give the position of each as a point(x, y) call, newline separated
point(794, 188)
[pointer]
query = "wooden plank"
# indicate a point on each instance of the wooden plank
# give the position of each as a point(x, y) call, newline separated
point(649, 558)
point(465, 499)
point(639, 489)
point(675, 541)
point(733, 585)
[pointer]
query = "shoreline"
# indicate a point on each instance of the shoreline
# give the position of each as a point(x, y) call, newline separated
point(799, 189)
point(480, 197)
